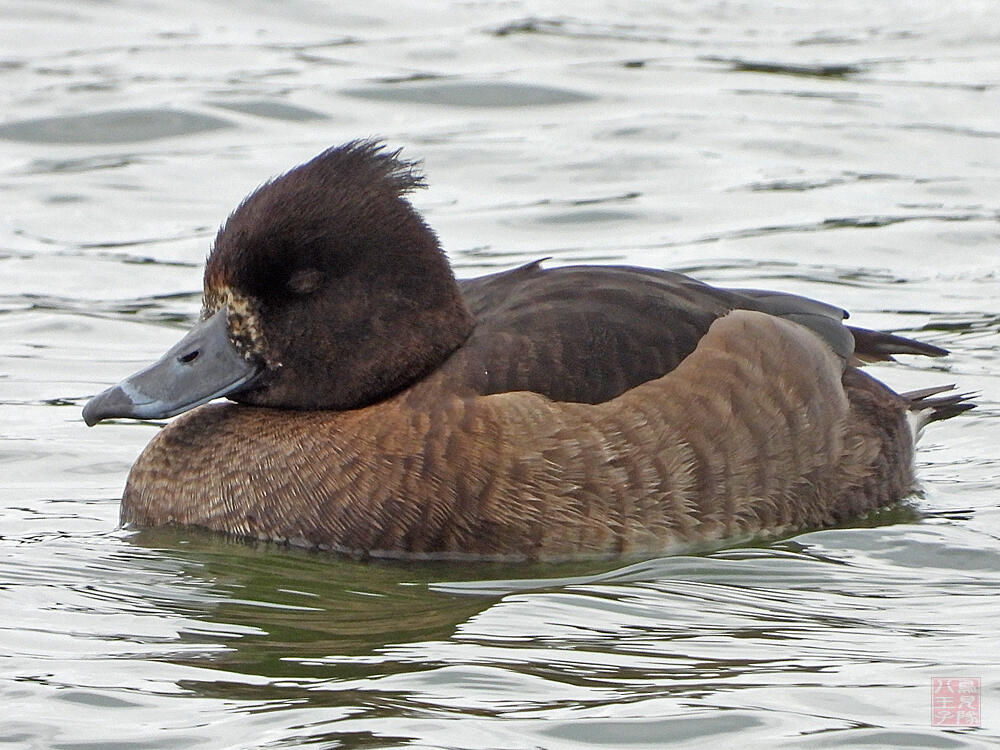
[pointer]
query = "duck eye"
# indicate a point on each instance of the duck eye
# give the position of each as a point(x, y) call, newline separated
point(305, 280)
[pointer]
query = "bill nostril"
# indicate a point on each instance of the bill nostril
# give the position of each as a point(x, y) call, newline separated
point(186, 359)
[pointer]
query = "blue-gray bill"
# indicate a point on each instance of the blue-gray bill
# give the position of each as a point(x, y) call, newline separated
point(200, 367)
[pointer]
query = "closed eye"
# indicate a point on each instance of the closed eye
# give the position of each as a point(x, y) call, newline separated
point(305, 280)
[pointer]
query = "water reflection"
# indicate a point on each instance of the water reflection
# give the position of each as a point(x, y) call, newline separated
point(397, 646)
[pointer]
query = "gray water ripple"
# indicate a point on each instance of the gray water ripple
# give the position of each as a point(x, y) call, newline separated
point(471, 94)
point(120, 126)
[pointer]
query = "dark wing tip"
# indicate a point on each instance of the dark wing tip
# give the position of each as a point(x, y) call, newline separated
point(878, 346)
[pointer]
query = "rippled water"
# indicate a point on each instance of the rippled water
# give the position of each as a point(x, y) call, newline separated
point(848, 151)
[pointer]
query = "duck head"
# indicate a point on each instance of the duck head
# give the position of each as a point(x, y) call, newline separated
point(325, 289)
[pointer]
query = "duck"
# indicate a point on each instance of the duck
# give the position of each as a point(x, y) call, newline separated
point(378, 407)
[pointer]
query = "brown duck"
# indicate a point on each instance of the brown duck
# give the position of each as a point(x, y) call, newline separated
point(384, 409)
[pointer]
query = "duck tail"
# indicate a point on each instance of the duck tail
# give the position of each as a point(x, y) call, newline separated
point(926, 405)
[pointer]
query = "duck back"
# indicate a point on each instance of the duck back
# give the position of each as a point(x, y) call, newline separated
point(589, 333)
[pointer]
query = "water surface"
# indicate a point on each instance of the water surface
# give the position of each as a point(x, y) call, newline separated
point(844, 151)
